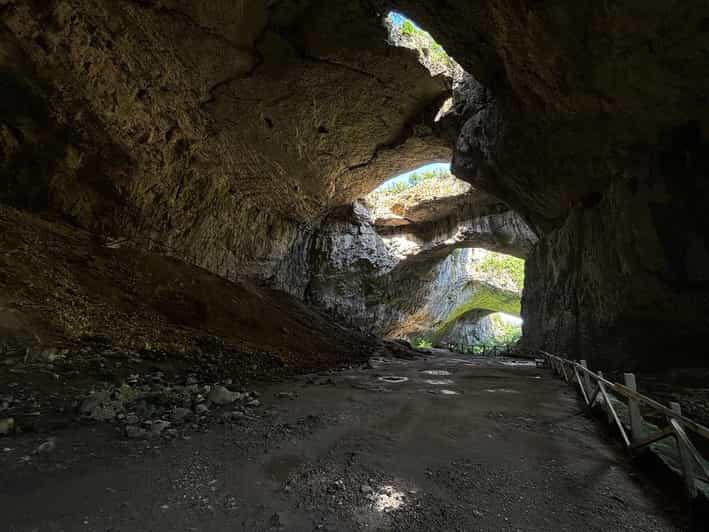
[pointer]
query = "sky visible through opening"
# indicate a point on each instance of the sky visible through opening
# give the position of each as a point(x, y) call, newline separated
point(397, 18)
point(508, 318)
point(403, 178)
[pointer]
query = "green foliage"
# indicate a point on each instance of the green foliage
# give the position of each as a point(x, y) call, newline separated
point(498, 265)
point(408, 28)
point(436, 52)
point(439, 55)
point(414, 179)
point(395, 188)
point(420, 177)
point(484, 298)
point(505, 332)
point(421, 343)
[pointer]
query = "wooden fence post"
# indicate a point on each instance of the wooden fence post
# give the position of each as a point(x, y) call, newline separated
point(605, 406)
point(636, 420)
point(586, 378)
point(685, 457)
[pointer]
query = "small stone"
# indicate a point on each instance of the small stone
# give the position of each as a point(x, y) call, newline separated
point(201, 408)
point(220, 395)
point(48, 446)
point(158, 426)
point(366, 489)
point(254, 403)
point(50, 354)
point(133, 431)
point(179, 413)
point(98, 407)
point(7, 425)
point(132, 419)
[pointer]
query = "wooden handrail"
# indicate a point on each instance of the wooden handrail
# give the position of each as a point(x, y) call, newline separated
point(676, 421)
point(631, 394)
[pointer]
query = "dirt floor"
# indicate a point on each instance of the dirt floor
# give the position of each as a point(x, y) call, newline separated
point(78, 313)
point(441, 442)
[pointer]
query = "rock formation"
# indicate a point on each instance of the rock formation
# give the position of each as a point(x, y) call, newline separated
point(411, 279)
point(236, 137)
point(596, 135)
point(474, 328)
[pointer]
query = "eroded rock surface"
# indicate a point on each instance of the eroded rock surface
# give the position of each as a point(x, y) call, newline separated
point(225, 134)
point(207, 130)
point(596, 134)
point(410, 279)
point(474, 328)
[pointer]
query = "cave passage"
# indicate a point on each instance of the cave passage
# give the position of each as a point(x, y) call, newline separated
point(250, 253)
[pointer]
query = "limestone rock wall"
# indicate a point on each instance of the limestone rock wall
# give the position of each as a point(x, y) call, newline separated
point(474, 329)
point(207, 130)
point(595, 133)
point(224, 133)
point(623, 281)
point(409, 281)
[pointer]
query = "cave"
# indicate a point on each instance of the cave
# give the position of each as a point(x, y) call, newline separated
point(210, 203)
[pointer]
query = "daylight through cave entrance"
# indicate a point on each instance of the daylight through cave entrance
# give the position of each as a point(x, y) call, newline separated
point(397, 200)
point(405, 32)
point(458, 282)
point(483, 304)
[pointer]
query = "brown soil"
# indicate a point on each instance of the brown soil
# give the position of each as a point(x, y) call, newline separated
point(496, 448)
point(74, 311)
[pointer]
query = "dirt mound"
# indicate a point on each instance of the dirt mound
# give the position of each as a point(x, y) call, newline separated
point(74, 310)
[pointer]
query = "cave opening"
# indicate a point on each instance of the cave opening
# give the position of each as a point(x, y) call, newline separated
point(480, 305)
point(219, 221)
point(457, 282)
point(398, 199)
point(406, 33)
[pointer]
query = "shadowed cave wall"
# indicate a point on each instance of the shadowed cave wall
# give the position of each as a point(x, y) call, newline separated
point(229, 138)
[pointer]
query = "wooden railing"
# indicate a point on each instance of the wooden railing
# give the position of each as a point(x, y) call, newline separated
point(484, 350)
point(596, 389)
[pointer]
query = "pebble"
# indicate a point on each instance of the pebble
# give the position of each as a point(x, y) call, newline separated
point(133, 431)
point(6, 426)
point(98, 407)
point(201, 408)
point(366, 489)
point(158, 426)
point(51, 354)
point(47, 447)
point(179, 413)
point(220, 395)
